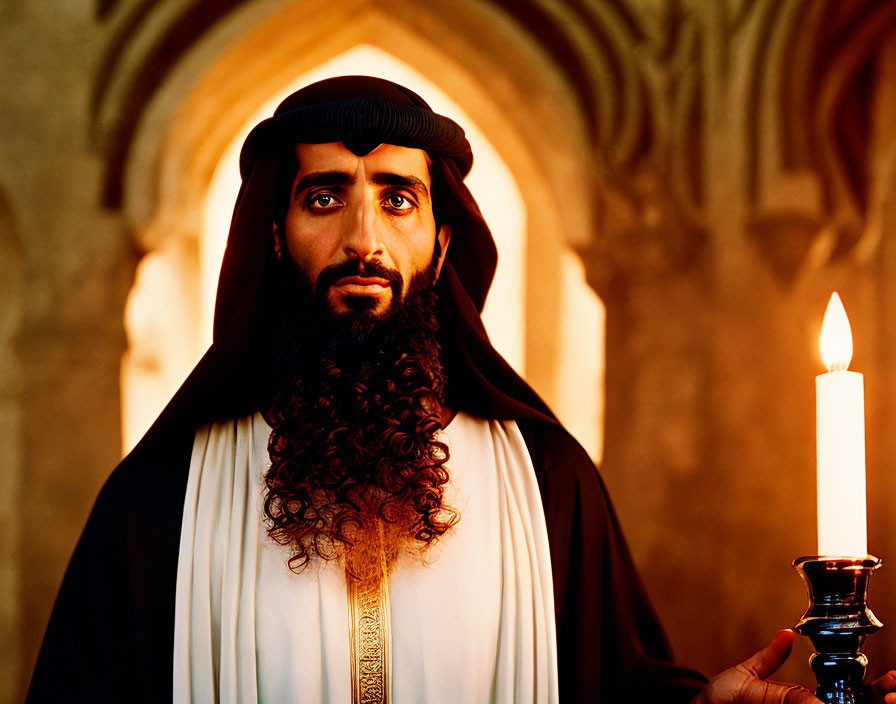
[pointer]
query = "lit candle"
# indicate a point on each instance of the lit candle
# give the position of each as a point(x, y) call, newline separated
point(840, 416)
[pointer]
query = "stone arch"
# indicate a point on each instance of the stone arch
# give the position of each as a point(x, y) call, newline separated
point(203, 117)
point(190, 121)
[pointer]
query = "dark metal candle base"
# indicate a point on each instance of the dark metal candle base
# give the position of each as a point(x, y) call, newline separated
point(837, 622)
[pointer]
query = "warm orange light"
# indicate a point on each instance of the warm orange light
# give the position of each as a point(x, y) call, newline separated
point(836, 336)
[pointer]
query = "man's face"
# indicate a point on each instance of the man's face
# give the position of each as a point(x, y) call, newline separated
point(346, 209)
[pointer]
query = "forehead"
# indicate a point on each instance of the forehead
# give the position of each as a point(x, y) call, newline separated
point(386, 158)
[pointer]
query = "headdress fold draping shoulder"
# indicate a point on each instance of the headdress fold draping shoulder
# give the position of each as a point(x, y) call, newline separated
point(362, 112)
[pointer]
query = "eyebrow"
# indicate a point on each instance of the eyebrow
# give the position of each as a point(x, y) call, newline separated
point(383, 178)
point(341, 178)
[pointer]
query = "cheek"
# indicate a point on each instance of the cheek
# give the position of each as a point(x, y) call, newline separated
point(312, 251)
point(412, 248)
point(421, 255)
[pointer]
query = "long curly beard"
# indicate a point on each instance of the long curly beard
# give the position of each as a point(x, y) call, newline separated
point(357, 473)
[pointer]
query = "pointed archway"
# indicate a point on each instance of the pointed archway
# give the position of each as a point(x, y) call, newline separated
point(560, 319)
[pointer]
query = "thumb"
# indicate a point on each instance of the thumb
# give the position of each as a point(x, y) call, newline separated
point(767, 661)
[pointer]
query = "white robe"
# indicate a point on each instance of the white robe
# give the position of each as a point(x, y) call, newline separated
point(475, 624)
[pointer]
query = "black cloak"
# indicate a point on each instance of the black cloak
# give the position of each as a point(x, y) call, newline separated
point(111, 632)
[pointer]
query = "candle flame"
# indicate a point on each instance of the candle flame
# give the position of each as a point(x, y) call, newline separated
point(836, 336)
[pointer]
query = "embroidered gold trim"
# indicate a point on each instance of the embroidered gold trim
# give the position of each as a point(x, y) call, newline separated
point(369, 640)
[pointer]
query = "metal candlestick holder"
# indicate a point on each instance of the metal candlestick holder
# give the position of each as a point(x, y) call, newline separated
point(837, 622)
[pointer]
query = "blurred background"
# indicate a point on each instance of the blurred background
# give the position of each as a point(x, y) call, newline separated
point(676, 187)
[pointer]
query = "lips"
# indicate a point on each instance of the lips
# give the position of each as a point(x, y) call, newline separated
point(352, 278)
point(362, 286)
point(362, 281)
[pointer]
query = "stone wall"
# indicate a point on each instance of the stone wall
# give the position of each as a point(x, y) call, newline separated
point(66, 268)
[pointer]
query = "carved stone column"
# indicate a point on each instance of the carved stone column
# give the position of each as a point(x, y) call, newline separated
point(71, 439)
point(11, 470)
point(69, 347)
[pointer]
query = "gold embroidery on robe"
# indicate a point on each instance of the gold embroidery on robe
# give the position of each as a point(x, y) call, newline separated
point(369, 640)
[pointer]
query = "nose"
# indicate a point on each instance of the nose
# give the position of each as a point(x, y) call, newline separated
point(361, 238)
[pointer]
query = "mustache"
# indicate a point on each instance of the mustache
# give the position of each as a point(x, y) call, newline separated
point(359, 267)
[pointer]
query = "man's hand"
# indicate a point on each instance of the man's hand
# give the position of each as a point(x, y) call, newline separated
point(747, 684)
point(884, 689)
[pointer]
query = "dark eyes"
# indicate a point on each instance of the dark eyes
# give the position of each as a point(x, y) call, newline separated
point(396, 201)
point(323, 200)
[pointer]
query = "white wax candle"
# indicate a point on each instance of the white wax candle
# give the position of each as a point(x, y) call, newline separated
point(840, 406)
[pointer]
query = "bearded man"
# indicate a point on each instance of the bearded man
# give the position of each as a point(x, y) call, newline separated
point(353, 498)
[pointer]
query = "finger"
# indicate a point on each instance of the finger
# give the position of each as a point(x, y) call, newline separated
point(767, 692)
point(772, 656)
point(890, 698)
point(791, 694)
point(887, 682)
